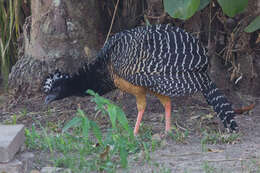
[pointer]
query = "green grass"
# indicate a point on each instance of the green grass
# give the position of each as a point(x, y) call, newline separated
point(208, 168)
point(83, 147)
point(178, 135)
point(10, 28)
point(217, 137)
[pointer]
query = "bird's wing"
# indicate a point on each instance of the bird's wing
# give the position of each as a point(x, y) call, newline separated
point(180, 84)
point(161, 48)
point(162, 56)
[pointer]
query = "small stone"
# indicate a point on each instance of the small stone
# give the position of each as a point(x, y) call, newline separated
point(27, 155)
point(11, 139)
point(27, 158)
point(14, 166)
point(54, 169)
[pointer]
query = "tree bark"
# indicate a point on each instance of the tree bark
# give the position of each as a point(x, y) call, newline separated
point(64, 34)
point(56, 37)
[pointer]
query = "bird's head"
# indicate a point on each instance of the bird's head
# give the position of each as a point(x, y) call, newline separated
point(56, 86)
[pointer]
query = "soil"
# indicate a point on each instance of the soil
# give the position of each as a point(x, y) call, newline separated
point(189, 112)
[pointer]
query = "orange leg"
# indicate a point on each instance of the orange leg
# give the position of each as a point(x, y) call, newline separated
point(168, 116)
point(141, 104)
point(138, 121)
point(140, 94)
point(166, 102)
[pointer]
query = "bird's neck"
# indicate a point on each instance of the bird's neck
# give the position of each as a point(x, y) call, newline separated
point(94, 76)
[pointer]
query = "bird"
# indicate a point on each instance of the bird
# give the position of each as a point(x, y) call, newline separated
point(162, 60)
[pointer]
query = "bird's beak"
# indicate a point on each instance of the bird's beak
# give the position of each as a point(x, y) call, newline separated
point(49, 98)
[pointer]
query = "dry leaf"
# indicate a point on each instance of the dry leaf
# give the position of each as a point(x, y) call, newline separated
point(215, 150)
point(194, 117)
point(104, 155)
point(207, 117)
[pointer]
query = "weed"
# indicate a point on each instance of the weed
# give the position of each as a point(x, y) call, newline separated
point(32, 138)
point(163, 169)
point(207, 168)
point(10, 24)
point(215, 137)
point(83, 147)
point(178, 135)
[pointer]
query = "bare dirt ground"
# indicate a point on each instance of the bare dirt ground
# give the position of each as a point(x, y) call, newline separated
point(242, 155)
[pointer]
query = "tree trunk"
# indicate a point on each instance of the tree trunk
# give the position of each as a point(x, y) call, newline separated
point(63, 35)
point(55, 37)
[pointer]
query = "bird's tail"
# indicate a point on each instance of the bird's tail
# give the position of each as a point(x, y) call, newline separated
point(220, 104)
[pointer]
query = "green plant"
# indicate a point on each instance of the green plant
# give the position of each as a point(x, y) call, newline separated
point(119, 140)
point(162, 168)
point(184, 9)
point(10, 24)
point(178, 135)
point(219, 137)
point(230, 8)
point(32, 137)
point(7, 27)
point(83, 147)
point(254, 25)
point(214, 137)
point(14, 119)
point(208, 168)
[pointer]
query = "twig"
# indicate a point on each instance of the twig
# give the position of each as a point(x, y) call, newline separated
point(204, 153)
point(181, 155)
point(112, 22)
point(229, 160)
point(97, 113)
point(180, 126)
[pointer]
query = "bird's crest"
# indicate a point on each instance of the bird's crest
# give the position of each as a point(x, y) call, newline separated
point(52, 78)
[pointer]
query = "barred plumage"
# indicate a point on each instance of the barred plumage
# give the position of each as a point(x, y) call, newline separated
point(158, 55)
point(161, 59)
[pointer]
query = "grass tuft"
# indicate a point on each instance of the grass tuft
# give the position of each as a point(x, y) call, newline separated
point(83, 147)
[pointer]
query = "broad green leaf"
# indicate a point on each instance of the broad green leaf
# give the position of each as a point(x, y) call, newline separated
point(91, 92)
point(111, 109)
point(72, 123)
point(96, 131)
point(121, 117)
point(100, 101)
point(203, 4)
point(182, 9)
point(81, 113)
point(233, 7)
point(254, 25)
point(123, 156)
point(85, 127)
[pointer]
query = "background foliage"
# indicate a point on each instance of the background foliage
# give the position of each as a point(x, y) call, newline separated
point(12, 15)
point(184, 9)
